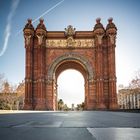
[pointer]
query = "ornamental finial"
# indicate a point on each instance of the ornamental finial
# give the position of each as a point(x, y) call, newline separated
point(98, 20)
point(110, 20)
point(70, 31)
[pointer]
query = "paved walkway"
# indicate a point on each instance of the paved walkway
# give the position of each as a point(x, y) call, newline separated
point(93, 125)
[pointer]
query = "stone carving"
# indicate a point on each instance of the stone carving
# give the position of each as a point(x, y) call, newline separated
point(70, 31)
point(27, 39)
point(40, 39)
point(100, 38)
point(112, 38)
point(112, 35)
point(99, 33)
point(70, 42)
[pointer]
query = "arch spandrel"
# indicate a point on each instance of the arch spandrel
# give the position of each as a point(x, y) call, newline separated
point(71, 57)
point(71, 64)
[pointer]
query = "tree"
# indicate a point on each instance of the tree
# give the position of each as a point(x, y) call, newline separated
point(8, 101)
point(3, 104)
point(1, 81)
point(60, 104)
point(135, 83)
point(83, 105)
point(20, 90)
point(6, 87)
point(8, 98)
point(80, 106)
point(65, 108)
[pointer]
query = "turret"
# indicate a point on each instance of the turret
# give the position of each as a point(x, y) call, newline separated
point(41, 32)
point(29, 44)
point(111, 31)
point(39, 66)
point(98, 32)
point(28, 32)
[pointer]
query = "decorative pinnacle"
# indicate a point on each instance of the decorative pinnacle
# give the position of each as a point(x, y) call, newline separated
point(110, 20)
point(41, 20)
point(98, 20)
point(29, 21)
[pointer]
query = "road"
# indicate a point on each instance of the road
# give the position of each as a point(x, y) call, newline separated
point(85, 125)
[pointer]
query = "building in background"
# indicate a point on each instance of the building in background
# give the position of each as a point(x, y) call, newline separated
point(129, 98)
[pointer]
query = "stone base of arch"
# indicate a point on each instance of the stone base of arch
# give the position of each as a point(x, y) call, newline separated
point(28, 107)
point(113, 106)
point(39, 106)
point(101, 106)
point(28, 104)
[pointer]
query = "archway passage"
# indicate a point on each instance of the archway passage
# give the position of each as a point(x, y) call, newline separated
point(48, 53)
point(71, 89)
point(71, 64)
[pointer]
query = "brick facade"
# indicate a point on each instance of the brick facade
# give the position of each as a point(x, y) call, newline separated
point(48, 53)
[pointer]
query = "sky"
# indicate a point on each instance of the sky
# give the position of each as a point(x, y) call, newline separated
point(58, 14)
point(71, 88)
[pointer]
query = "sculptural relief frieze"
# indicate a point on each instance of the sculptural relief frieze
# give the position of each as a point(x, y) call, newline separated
point(64, 43)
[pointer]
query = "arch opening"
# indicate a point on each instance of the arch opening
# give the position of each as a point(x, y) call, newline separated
point(79, 91)
point(71, 90)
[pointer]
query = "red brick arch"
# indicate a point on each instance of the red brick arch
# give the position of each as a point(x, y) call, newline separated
point(48, 53)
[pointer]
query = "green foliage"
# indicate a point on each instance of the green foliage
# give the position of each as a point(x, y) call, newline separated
point(10, 97)
point(4, 105)
point(60, 104)
point(80, 106)
point(8, 101)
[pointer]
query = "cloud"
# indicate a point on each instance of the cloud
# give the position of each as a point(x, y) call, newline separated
point(43, 14)
point(7, 31)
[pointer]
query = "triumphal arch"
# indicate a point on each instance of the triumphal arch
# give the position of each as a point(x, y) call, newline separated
point(48, 53)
